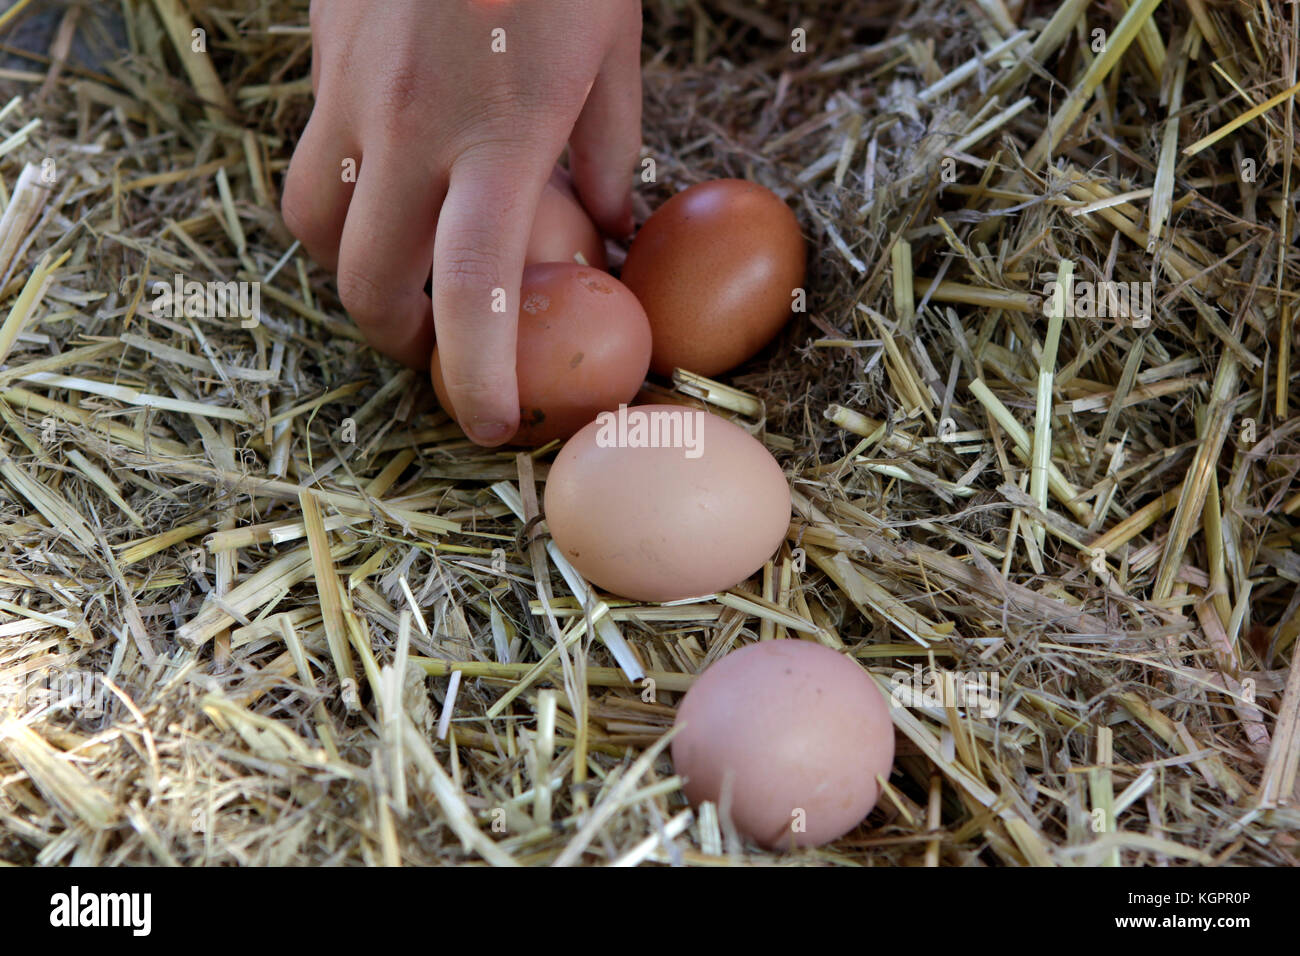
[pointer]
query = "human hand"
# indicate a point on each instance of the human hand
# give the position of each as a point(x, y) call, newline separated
point(453, 113)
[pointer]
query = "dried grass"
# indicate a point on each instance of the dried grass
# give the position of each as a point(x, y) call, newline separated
point(325, 629)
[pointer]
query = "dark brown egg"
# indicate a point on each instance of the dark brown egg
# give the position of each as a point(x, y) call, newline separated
point(716, 268)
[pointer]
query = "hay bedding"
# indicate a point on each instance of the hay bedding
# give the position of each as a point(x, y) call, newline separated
point(247, 561)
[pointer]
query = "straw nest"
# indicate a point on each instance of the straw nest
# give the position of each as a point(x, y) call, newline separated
point(246, 572)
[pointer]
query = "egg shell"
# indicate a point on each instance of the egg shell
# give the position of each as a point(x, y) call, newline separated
point(801, 730)
point(716, 267)
point(583, 347)
point(561, 227)
point(656, 524)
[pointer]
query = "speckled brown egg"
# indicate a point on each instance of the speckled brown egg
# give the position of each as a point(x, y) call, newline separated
point(716, 267)
point(796, 732)
point(583, 347)
point(662, 502)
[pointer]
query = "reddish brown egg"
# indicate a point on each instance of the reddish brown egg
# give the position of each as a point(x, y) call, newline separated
point(583, 348)
point(717, 268)
point(562, 227)
point(795, 733)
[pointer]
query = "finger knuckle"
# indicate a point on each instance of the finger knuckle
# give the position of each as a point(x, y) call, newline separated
point(359, 292)
point(502, 120)
point(469, 267)
point(486, 389)
point(484, 397)
point(299, 212)
point(402, 94)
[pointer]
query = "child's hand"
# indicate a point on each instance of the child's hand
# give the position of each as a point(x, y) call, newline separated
point(453, 138)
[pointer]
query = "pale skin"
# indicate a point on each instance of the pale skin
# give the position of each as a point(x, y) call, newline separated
point(452, 144)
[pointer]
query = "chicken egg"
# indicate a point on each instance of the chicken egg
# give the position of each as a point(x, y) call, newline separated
point(662, 502)
point(583, 347)
point(561, 227)
point(717, 268)
point(794, 733)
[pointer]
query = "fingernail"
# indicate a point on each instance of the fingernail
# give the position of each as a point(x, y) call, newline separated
point(490, 433)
